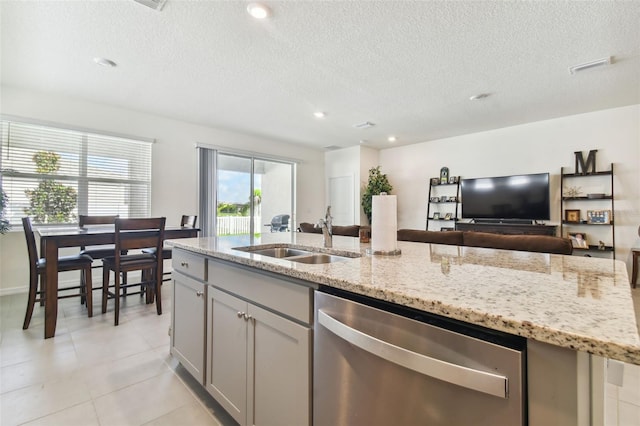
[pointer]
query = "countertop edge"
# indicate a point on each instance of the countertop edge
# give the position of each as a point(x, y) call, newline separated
point(526, 329)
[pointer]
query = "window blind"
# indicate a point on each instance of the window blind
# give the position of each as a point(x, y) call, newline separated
point(53, 174)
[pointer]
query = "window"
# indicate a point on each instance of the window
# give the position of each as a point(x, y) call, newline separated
point(53, 174)
point(243, 196)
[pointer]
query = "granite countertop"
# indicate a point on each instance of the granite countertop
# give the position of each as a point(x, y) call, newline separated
point(574, 302)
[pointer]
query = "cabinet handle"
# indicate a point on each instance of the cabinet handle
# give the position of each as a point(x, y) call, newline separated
point(482, 381)
point(241, 314)
point(184, 264)
point(199, 293)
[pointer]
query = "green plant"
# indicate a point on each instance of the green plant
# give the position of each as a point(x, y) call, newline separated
point(4, 223)
point(50, 202)
point(377, 184)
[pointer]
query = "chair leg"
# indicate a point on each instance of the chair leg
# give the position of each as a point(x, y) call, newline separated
point(117, 298)
point(144, 289)
point(87, 285)
point(41, 285)
point(124, 282)
point(157, 287)
point(105, 287)
point(147, 278)
point(83, 288)
point(31, 301)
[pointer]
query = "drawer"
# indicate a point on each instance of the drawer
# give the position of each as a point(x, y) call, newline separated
point(290, 297)
point(189, 264)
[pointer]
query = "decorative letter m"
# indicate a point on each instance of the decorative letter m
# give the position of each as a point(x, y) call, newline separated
point(582, 168)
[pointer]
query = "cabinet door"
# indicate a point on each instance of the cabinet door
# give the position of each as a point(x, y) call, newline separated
point(227, 352)
point(188, 322)
point(279, 370)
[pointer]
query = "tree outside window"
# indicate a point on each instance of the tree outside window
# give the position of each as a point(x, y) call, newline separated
point(50, 201)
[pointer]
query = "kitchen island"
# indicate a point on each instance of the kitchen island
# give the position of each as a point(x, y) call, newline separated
point(565, 306)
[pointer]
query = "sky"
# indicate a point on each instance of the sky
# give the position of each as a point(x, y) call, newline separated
point(234, 187)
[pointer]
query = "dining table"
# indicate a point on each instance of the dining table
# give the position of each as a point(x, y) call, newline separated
point(53, 239)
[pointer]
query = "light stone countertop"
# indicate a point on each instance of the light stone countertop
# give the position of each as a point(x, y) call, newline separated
point(574, 302)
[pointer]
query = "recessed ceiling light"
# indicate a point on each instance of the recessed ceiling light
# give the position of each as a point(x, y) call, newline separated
point(392, 139)
point(319, 114)
point(479, 96)
point(259, 10)
point(104, 62)
point(597, 63)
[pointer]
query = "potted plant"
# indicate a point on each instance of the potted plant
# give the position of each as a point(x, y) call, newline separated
point(4, 223)
point(377, 184)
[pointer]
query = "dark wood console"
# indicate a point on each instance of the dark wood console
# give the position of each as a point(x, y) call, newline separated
point(507, 228)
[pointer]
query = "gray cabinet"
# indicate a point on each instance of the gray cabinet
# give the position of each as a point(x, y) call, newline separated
point(259, 365)
point(188, 312)
point(188, 335)
point(259, 346)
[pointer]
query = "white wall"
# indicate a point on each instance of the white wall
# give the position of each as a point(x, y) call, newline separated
point(543, 146)
point(174, 174)
point(353, 162)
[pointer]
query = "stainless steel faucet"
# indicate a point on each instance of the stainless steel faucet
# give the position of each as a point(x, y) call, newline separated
point(327, 231)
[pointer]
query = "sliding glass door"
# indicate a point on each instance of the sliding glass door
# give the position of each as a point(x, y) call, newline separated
point(243, 196)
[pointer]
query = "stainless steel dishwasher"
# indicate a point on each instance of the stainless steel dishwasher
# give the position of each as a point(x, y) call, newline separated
point(406, 367)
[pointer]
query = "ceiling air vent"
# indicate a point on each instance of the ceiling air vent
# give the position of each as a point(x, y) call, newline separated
point(331, 147)
point(153, 4)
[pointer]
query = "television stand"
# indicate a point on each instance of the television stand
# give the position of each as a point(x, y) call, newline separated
point(507, 228)
point(504, 221)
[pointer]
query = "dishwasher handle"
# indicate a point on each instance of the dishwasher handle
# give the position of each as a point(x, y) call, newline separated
point(492, 384)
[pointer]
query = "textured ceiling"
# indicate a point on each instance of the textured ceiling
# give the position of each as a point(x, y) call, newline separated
point(409, 67)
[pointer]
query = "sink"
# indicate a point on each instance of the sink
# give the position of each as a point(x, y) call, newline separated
point(281, 252)
point(318, 258)
point(298, 255)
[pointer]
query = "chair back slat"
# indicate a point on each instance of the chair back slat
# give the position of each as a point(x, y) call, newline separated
point(31, 242)
point(188, 221)
point(96, 220)
point(139, 233)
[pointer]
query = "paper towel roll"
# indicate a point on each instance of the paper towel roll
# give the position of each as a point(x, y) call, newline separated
point(384, 223)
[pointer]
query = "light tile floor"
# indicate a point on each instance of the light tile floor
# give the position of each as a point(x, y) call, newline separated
point(92, 373)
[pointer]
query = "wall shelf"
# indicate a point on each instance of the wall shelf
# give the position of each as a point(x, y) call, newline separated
point(444, 199)
point(603, 179)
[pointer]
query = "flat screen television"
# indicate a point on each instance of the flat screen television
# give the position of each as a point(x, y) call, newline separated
point(515, 198)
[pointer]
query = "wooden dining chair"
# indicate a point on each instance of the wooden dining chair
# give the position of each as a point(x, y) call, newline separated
point(101, 251)
point(188, 221)
point(97, 252)
point(134, 234)
point(37, 273)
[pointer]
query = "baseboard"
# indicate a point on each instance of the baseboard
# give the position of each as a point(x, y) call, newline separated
point(13, 290)
point(6, 291)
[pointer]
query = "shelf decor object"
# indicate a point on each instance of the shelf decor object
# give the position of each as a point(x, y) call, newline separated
point(572, 192)
point(572, 216)
point(599, 217)
point(444, 175)
point(579, 240)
